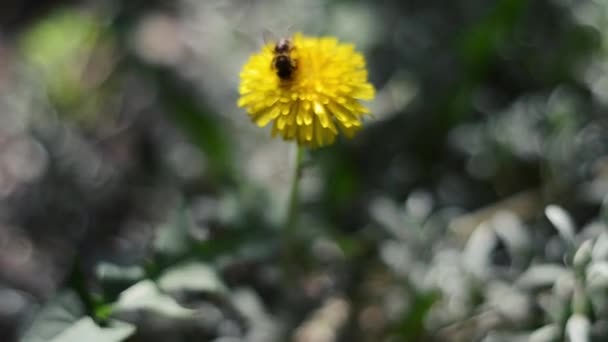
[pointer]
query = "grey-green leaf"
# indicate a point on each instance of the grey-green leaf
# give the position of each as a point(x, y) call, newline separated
point(597, 275)
point(578, 328)
point(54, 317)
point(562, 221)
point(547, 333)
point(193, 277)
point(146, 296)
point(538, 276)
point(85, 329)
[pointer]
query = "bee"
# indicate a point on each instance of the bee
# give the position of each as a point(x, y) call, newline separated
point(283, 62)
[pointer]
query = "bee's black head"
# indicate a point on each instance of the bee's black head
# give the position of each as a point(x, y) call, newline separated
point(282, 46)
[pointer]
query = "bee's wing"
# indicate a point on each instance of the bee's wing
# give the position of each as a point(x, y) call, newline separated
point(269, 36)
point(232, 10)
point(290, 30)
point(260, 22)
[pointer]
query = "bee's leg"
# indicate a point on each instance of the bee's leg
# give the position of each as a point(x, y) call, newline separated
point(273, 64)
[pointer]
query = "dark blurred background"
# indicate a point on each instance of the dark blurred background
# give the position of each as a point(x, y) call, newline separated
point(138, 203)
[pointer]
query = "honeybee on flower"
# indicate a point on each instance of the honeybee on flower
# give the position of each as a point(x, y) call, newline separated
point(283, 62)
point(309, 87)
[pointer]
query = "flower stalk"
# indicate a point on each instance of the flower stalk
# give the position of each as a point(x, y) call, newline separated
point(291, 216)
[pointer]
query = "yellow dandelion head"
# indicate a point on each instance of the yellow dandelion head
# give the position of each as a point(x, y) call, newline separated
point(319, 97)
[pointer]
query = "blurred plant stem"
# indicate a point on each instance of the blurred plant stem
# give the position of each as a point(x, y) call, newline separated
point(291, 218)
point(78, 282)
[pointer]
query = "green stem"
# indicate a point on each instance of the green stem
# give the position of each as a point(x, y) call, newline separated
point(78, 282)
point(291, 217)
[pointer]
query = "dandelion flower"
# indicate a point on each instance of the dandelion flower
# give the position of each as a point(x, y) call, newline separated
point(317, 100)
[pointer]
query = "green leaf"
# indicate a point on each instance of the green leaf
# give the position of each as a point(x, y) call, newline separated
point(562, 221)
point(110, 271)
point(411, 325)
point(145, 295)
point(481, 42)
point(191, 277)
point(115, 279)
point(540, 276)
point(547, 333)
point(578, 328)
point(54, 317)
point(85, 329)
point(60, 320)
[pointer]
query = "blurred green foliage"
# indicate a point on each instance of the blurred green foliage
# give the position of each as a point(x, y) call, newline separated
point(137, 203)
